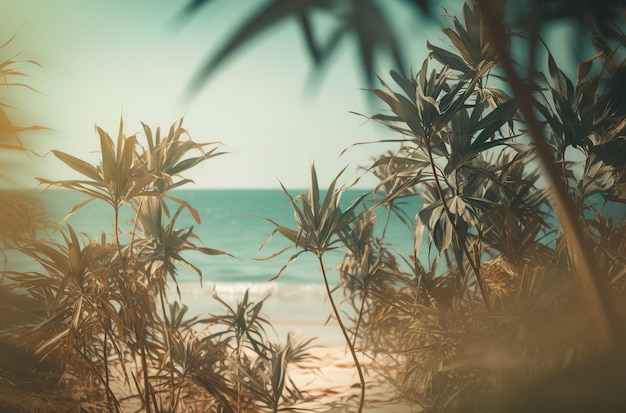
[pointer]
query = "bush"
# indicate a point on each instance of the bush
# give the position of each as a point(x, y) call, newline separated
point(97, 326)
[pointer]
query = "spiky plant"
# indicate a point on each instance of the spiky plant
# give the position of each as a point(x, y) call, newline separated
point(259, 366)
point(319, 224)
point(492, 226)
point(509, 246)
point(100, 321)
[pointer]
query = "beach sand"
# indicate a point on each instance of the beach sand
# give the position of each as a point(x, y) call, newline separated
point(334, 377)
point(337, 380)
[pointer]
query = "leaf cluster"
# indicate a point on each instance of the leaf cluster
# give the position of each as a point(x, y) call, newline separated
point(365, 20)
point(459, 317)
point(95, 318)
point(488, 300)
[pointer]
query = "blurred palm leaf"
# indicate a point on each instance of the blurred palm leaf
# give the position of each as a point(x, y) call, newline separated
point(363, 19)
point(9, 70)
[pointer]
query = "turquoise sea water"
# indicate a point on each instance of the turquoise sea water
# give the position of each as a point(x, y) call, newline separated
point(232, 220)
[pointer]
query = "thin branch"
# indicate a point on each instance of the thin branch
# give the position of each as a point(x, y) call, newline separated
point(455, 227)
point(345, 335)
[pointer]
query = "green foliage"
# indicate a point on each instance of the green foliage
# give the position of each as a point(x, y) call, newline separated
point(503, 291)
point(101, 331)
point(492, 301)
point(499, 296)
point(320, 225)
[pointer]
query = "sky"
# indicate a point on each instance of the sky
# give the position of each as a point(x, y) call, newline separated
point(132, 60)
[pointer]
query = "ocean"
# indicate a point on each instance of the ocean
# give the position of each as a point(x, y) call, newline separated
point(232, 220)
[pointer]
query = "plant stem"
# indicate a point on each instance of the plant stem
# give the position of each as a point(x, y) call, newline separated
point(166, 333)
point(117, 240)
point(358, 322)
point(133, 310)
point(106, 367)
point(473, 264)
point(132, 238)
point(345, 335)
point(110, 394)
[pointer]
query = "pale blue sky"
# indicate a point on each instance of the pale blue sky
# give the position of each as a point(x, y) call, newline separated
point(106, 59)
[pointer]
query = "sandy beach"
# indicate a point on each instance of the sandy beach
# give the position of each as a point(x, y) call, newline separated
point(337, 380)
point(334, 377)
point(303, 310)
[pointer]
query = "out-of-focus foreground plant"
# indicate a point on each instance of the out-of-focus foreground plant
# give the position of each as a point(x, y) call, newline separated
point(21, 216)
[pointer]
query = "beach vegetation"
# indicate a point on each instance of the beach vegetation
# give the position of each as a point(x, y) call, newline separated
point(509, 299)
point(513, 276)
point(320, 224)
point(512, 289)
point(90, 324)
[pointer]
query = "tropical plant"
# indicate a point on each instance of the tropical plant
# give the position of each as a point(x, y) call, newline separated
point(458, 336)
point(364, 19)
point(20, 214)
point(471, 315)
point(519, 284)
point(102, 331)
point(25, 380)
point(319, 224)
point(258, 364)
